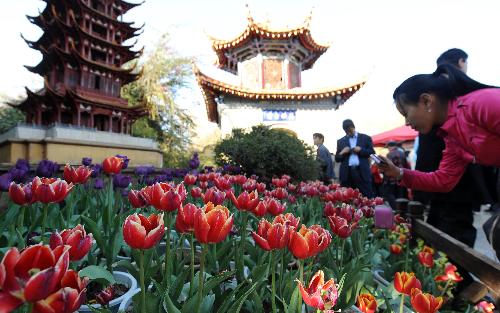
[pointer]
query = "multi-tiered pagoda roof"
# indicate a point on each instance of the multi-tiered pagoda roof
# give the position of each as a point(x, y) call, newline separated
point(84, 65)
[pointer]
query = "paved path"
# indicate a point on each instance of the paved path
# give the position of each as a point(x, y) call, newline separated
point(482, 245)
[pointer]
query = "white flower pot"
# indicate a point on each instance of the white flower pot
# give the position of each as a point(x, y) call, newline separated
point(122, 278)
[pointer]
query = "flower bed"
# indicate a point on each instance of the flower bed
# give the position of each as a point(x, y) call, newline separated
point(239, 245)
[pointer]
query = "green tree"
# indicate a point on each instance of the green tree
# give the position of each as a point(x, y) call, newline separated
point(9, 116)
point(163, 74)
point(267, 152)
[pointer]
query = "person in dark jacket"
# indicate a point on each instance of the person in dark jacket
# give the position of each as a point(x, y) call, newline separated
point(324, 158)
point(353, 151)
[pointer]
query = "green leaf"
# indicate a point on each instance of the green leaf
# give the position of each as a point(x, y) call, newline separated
point(294, 301)
point(97, 273)
point(236, 307)
point(216, 281)
point(96, 233)
point(179, 283)
point(168, 305)
point(20, 240)
point(257, 303)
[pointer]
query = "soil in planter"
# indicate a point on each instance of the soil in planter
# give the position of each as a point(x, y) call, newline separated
point(93, 289)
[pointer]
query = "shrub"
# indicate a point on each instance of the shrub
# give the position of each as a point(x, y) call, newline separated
point(267, 152)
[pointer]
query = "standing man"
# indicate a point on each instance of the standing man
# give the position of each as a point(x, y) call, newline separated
point(324, 158)
point(353, 151)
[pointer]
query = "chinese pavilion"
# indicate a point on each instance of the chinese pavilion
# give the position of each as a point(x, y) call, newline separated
point(83, 54)
point(266, 86)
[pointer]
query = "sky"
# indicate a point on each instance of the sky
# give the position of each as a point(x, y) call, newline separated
point(383, 41)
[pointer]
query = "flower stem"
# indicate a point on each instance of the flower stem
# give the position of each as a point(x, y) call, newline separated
point(342, 256)
point(273, 285)
point(401, 305)
point(141, 280)
point(167, 249)
point(30, 307)
point(201, 276)
point(44, 219)
point(241, 267)
point(21, 219)
point(192, 266)
point(301, 277)
point(445, 287)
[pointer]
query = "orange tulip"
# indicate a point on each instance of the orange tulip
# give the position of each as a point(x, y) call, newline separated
point(450, 274)
point(425, 302)
point(426, 259)
point(212, 223)
point(404, 282)
point(319, 294)
point(271, 236)
point(427, 249)
point(287, 219)
point(78, 175)
point(141, 232)
point(395, 249)
point(367, 303)
point(50, 190)
point(308, 242)
point(112, 165)
point(165, 197)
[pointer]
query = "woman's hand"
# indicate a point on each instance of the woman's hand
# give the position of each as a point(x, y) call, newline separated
point(388, 168)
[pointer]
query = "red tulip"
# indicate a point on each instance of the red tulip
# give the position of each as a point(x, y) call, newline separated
point(271, 236)
point(65, 300)
point(222, 183)
point(79, 241)
point(308, 242)
point(426, 259)
point(203, 185)
point(425, 302)
point(260, 210)
point(340, 227)
point(250, 185)
point(212, 223)
point(261, 187)
point(203, 177)
point(50, 190)
point(80, 175)
point(238, 179)
point(112, 165)
point(214, 196)
point(184, 222)
point(287, 219)
point(137, 199)
point(367, 303)
point(72, 280)
point(330, 209)
point(190, 179)
point(404, 282)
point(141, 232)
point(395, 249)
point(106, 295)
point(196, 192)
point(319, 294)
point(450, 274)
point(32, 275)
point(165, 197)
point(485, 307)
point(279, 182)
point(279, 193)
point(20, 194)
point(245, 201)
point(274, 206)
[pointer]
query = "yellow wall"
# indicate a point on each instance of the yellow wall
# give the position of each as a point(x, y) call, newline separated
point(73, 153)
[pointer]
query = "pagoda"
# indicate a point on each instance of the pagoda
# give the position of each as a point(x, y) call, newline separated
point(262, 81)
point(83, 58)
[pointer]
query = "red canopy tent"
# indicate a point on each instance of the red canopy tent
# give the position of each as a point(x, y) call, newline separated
point(402, 133)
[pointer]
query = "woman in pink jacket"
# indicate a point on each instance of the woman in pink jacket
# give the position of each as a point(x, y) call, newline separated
point(467, 114)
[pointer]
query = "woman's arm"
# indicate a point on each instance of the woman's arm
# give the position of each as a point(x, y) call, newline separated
point(444, 179)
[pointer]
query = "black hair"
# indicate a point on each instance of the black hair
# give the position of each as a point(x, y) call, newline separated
point(347, 123)
point(319, 135)
point(447, 83)
point(452, 56)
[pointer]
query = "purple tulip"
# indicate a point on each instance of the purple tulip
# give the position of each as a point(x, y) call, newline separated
point(194, 162)
point(5, 181)
point(96, 170)
point(18, 175)
point(209, 169)
point(22, 164)
point(47, 168)
point(87, 161)
point(124, 192)
point(121, 181)
point(125, 160)
point(144, 170)
point(98, 183)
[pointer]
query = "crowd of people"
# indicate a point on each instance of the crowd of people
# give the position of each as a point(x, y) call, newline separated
point(457, 151)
